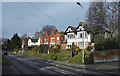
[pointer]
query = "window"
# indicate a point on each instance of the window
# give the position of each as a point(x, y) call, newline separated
point(45, 39)
point(80, 35)
point(80, 44)
point(71, 36)
point(52, 38)
point(68, 36)
point(85, 34)
point(57, 38)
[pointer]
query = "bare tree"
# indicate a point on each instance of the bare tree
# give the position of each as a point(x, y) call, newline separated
point(47, 28)
point(24, 36)
point(103, 14)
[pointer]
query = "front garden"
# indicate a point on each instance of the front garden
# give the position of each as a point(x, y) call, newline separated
point(57, 55)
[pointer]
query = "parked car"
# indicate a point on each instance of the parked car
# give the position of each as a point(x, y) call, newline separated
point(5, 53)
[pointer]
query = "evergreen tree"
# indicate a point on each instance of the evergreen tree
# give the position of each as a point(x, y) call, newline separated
point(15, 42)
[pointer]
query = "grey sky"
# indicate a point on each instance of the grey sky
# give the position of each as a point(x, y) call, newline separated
point(29, 17)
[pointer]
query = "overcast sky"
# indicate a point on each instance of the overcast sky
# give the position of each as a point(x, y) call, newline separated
point(29, 17)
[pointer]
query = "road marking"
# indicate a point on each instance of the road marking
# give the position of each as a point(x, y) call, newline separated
point(15, 69)
point(57, 70)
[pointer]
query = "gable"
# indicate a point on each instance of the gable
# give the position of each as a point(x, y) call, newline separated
point(69, 30)
point(80, 28)
point(46, 35)
point(52, 34)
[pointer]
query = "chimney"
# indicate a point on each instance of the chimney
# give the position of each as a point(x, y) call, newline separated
point(80, 23)
point(56, 30)
point(85, 24)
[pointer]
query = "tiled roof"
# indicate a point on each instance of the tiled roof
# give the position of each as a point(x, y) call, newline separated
point(73, 28)
point(49, 33)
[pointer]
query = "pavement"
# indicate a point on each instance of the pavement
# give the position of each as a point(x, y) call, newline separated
point(30, 65)
point(108, 67)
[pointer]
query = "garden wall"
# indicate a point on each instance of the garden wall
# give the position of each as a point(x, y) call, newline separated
point(106, 56)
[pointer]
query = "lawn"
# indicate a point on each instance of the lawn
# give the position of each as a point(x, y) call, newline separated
point(5, 62)
point(106, 67)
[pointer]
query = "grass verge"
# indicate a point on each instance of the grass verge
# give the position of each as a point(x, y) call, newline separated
point(5, 62)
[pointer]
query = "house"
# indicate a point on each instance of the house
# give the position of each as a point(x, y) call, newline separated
point(33, 42)
point(56, 38)
point(77, 35)
point(41, 39)
point(50, 38)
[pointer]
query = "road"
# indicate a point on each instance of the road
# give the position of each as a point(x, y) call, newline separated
point(27, 65)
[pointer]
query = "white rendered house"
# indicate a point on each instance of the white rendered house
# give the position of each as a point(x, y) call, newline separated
point(76, 34)
point(34, 42)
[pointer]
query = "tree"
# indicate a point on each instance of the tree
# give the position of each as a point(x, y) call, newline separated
point(47, 28)
point(96, 12)
point(6, 45)
point(24, 36)
point(15, 42)
point(103, 14)
point(73, 47)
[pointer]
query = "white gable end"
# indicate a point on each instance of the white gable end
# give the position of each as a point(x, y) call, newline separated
point(80, 28)
point(69, 29)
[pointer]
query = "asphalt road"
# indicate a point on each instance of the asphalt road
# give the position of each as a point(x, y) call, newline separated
point(27, 65)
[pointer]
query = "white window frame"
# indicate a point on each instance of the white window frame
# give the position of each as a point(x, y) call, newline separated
point(45, 39)
point(58, 38)
point(52, 38)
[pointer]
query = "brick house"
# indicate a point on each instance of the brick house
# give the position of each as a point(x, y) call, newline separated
point(41, 39)
point(46, 38)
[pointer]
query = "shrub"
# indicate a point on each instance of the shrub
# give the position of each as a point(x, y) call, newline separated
point(89, 48)
point(56, 48)
point(51, 50)
point(76, 59)
point(73, 47)
point(89, 58)
point(44, 48)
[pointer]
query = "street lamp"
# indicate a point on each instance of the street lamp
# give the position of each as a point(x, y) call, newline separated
point(82, 34)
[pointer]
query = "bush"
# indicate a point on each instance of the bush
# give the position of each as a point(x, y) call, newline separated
point(89, 48)
point(76, 59)
point(44, 48)
point(56, 48)
point(89, 58)
point(73, 47)
point(102, 43)
point(51, 50)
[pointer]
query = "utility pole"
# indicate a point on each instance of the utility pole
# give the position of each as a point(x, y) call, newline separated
point(82, 34)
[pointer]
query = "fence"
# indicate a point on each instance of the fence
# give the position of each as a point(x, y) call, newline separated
point(106, 56)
